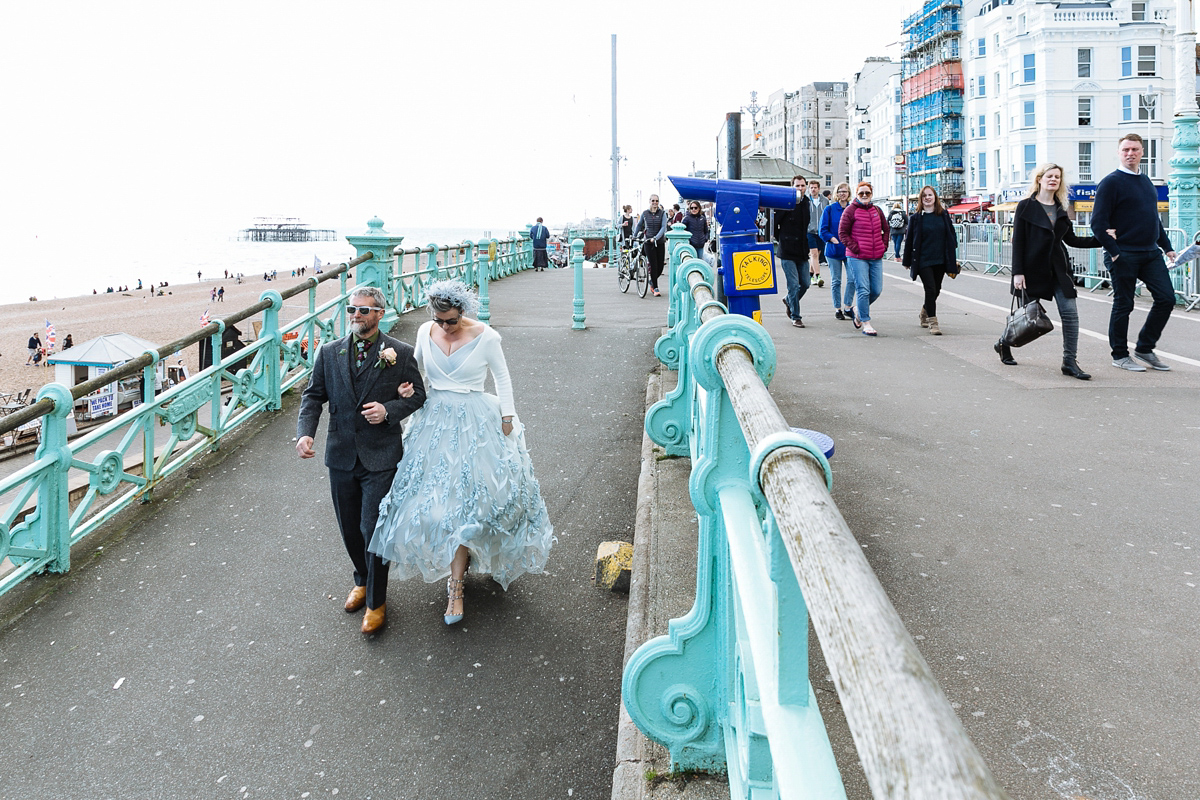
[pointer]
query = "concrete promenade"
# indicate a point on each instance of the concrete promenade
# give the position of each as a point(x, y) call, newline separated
point(1037, 534)
point(204, 652)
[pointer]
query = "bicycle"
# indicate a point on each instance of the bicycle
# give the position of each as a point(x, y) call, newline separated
point(633, 267)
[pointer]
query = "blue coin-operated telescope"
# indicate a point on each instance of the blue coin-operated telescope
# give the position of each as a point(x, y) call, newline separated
point(747, 265)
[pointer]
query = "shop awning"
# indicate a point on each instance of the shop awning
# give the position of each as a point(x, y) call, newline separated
point(1005, 207)
point(963, 208)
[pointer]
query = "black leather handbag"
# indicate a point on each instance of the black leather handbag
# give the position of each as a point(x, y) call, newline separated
point(1026, 323)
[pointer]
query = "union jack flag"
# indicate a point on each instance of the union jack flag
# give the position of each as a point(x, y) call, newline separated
point(51, 336)
point(204, 318)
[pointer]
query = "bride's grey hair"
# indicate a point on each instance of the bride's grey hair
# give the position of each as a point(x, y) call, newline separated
point(449, 294)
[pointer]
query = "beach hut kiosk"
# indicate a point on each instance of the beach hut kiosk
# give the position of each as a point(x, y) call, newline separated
point(93, 358)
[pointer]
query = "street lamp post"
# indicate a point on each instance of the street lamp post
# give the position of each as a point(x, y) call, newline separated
point(1184, 181)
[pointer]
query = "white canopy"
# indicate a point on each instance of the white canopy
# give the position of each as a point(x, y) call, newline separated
point(106, 350)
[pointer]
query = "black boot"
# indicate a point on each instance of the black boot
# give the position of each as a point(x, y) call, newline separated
point(1005, 353)
point(1071, 368)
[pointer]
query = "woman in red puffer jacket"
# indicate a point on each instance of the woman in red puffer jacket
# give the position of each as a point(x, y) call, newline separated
point(863, 229)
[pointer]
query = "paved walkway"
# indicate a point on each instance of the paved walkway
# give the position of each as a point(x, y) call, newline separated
point(1037, 534)
point(204, 652)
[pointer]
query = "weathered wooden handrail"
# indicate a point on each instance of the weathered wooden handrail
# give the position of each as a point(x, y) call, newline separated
point(761, 573)
point(910, 741)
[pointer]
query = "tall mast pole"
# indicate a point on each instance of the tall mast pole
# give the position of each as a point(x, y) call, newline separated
point(616, 151)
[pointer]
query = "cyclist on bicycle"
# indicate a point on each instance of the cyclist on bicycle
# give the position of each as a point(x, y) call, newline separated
point(653, 222)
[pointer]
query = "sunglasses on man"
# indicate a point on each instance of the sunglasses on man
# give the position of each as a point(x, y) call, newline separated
point(364, 310)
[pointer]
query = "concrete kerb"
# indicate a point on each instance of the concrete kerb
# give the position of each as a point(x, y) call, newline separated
point(662, 586)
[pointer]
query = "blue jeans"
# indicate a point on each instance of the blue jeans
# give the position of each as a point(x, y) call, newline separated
point(840, 301)
point(897, 238)
point(868, 283)
point(1149, 267)
point(798, 281)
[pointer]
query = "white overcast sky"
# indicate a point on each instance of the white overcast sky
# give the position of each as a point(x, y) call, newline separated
point(429, 114)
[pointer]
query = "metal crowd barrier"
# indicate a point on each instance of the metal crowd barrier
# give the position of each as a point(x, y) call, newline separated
point(987, 247)
point(727, 687)
point(62, 496)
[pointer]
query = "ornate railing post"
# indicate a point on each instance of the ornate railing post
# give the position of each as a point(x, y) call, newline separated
point(678, 688)
point(50, 521)
point(1184, 181)
point(469, 269)
point(669, 421)
point(148, 429)
point(269, 382)
point(485, 253)
point(526, 249)
point(677, 237)
point(577, 264)
point(378, 271)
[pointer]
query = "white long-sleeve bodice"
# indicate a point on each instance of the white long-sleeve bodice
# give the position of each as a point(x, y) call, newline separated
point(465, 370)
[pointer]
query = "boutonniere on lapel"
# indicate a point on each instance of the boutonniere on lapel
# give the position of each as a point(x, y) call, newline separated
point(387, 358)
point(343, 352)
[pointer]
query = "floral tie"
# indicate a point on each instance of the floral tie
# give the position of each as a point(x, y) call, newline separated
point(360, 349)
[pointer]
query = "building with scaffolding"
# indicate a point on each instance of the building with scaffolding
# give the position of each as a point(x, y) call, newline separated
point(932, 99)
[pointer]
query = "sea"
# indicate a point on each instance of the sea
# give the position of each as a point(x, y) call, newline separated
point(58, 265)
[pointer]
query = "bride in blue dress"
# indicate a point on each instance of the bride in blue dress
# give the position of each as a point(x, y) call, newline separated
point(464, 488)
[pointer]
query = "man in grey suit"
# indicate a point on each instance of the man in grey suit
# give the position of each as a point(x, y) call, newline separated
point(358, 376)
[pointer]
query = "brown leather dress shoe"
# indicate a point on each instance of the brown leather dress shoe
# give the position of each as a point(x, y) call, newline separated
point(356, 599)
point(373, 619)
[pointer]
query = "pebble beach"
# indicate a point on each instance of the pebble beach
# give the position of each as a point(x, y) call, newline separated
point(159, 319)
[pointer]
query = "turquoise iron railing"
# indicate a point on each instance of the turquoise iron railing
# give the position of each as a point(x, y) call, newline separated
point(726, 688)
point(62, 496)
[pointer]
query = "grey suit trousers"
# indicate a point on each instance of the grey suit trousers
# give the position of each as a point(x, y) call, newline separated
point(356, 497)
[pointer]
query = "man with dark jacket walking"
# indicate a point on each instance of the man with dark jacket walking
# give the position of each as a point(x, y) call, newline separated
point(358, 376)
point(1132, 252)
point(791, 246)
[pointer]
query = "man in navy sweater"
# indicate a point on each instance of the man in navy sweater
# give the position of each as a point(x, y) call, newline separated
point(1125, 220)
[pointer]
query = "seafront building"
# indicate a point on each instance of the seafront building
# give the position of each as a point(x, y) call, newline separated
point(810, 127)
point(1062, 82)
point(985, 90)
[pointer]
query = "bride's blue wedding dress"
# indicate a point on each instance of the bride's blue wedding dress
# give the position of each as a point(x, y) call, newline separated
point(461, 480)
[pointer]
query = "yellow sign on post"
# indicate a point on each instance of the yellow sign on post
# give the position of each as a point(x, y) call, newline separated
point(492, 250)
point(754, 270)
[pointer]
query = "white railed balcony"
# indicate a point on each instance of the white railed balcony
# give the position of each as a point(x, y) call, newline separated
point(1103, 16)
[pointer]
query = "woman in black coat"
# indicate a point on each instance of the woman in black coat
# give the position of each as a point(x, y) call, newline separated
point(931, 253)
point(696, 224)
point(1040, 268)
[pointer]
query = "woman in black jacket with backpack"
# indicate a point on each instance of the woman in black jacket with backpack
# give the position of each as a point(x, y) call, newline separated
point(1040, 267)
point(931, 253)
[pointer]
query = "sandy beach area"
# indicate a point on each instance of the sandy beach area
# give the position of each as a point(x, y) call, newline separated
point(159, 319)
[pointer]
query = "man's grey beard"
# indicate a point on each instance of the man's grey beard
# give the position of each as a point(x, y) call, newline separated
point(358, 327)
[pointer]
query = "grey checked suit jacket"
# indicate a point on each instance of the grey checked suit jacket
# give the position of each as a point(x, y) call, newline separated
point(379, 447)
